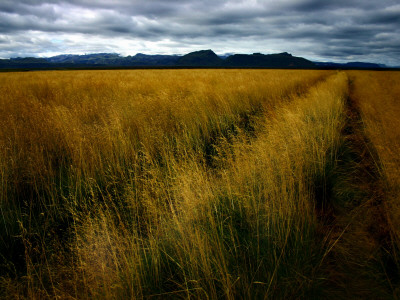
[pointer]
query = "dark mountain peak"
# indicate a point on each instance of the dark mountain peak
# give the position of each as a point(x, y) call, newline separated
point(200, 58)
point(258, 60)
point(204, 52)
point(285, 54)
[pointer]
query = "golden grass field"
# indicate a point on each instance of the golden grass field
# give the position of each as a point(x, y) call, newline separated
point(199, 184)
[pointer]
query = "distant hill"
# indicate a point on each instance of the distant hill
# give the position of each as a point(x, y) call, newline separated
point(207, 58)
point(351, 65)
point(114, 59)
point(202, 58)
point(258, 60)
point(93, 59)
point(24, 62)
point(152, 60)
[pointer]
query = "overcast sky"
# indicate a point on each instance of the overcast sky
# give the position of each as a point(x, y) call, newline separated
point(334, 30)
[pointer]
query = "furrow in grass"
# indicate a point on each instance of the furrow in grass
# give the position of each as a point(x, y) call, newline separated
point(246, 230)
point(133, 184)
point(359, 260)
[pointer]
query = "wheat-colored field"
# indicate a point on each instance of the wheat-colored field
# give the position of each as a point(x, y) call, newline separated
point(378, 94)
point(176, 183)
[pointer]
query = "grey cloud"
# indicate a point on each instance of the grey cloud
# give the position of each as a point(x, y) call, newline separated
point(355, 33)
point(389, 15)
point(43, 10)
point(317, 28)
point(324, 5)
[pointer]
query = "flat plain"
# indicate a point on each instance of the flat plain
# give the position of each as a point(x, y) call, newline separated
point(200, 184)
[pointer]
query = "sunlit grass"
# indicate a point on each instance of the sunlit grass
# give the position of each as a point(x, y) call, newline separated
point(200, 183)
point(377, 95)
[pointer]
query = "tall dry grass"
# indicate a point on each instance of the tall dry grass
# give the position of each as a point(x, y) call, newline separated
point(377, 95)
point(170, 183)
point(79, 135)
point(99, 122)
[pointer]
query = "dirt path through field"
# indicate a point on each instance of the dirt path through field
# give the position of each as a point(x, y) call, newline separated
point(358, 261)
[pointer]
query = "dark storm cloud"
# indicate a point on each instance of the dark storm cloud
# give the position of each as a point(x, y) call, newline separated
point(309, 6)
point(389, 16)
point(319, 29)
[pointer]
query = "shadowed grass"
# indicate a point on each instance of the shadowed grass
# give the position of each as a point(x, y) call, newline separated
point(245, 230)
point(380, 109)
point(132, 184)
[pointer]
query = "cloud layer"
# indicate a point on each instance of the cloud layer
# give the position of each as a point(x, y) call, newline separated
point(340, 30)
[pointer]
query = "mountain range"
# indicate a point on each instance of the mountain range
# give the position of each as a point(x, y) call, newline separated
point(197, 59)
